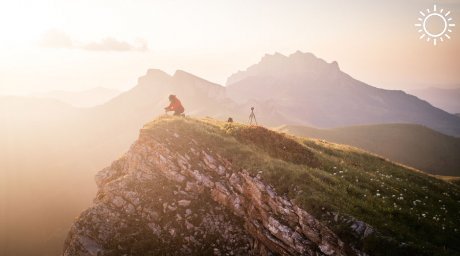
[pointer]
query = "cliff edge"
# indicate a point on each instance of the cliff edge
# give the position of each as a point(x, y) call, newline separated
point(189, 187)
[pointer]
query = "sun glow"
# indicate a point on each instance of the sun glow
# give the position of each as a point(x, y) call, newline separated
point(428, 17)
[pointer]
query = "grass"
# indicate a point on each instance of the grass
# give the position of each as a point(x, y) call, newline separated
point(409, 206)
point(451, 179)
point(411, 144)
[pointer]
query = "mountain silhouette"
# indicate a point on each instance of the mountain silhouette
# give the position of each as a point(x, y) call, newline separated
point(86, 98)
point(309, 91)
point(446, 99)
point(47, 144)
point(51, 150)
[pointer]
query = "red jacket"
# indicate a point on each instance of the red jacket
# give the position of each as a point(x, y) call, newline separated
point(175, 105)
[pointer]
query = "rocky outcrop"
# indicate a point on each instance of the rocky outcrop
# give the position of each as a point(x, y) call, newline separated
point(172, 195)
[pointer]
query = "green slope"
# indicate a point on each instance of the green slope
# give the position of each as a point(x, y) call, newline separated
point(413, 213)
point(409, 144)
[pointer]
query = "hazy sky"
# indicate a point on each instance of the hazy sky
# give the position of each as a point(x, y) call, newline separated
point(75, 45)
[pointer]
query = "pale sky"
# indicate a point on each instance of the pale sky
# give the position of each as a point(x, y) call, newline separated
point(76, 45)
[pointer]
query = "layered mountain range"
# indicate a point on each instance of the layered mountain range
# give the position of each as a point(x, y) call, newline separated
point(446, 99)
point(309, 91)
point(46, 143)
point(86, 98)
point(409, 144)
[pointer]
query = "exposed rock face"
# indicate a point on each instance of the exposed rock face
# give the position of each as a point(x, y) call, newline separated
point(166, 197)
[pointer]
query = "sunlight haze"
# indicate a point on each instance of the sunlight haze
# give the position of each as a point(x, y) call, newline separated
point(128, 127)
point(76, 45)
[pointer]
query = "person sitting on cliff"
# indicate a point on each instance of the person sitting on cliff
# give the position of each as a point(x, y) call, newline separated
point(175, 105)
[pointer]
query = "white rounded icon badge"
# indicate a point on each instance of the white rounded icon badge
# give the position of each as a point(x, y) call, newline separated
point(439, 33)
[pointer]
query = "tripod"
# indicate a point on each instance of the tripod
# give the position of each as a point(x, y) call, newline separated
point(252, 117)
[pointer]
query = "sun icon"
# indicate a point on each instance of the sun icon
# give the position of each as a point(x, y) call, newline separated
point(433, 16)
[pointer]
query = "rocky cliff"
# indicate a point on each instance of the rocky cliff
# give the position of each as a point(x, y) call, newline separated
point(158, 200)
point(176, 192)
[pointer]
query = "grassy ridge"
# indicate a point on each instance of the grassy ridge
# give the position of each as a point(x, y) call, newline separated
point(415, 209)
point(410, 144)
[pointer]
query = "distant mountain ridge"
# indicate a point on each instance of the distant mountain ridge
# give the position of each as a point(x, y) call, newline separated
point(446, 99)
point(280, 65)
point(309, 91)
point(409, 144)
point(86, 98)
point(54, 137)
point(69, 143)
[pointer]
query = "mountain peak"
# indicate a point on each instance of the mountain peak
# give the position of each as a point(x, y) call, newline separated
point(278, 64)
point(181, 74)
point(301, 54)
point(156, 72)
point(273, 57)
point(155, 75)
point(335, 65)
point(308, 57)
